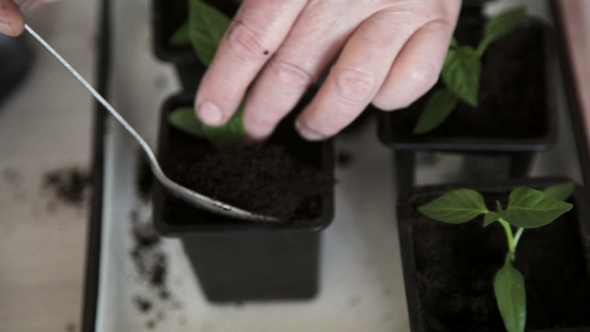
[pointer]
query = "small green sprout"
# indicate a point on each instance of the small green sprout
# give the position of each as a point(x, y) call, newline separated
point(204, 29)
point(527, 208)
point(461, 72)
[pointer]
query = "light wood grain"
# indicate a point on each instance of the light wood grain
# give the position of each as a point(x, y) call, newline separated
point(45, 126)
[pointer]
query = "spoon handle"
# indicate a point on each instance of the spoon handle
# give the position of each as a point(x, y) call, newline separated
point(96, 95)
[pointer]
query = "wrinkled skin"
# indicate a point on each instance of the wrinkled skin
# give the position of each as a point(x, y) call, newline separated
point(384, 52)
point(12, 21)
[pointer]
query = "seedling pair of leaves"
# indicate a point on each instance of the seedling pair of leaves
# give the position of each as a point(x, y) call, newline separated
point(461, 72)
point(527, 208)
point(204, 30)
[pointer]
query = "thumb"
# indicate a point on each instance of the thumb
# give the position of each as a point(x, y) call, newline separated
point(12, 21)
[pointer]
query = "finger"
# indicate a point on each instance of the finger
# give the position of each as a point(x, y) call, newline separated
point(12, 22)
point(417, 68)
point(356, 77)
point(259, 28)
point(314, 41)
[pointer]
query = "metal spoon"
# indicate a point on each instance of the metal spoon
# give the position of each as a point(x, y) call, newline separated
point(186, 194)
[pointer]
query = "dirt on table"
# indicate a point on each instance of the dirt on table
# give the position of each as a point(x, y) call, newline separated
point(456, 265)
point(70, 185)
point(151, 266)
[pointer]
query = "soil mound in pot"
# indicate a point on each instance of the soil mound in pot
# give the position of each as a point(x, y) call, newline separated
point(263, 179)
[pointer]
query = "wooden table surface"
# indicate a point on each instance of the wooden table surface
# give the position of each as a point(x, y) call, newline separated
point(45, 126)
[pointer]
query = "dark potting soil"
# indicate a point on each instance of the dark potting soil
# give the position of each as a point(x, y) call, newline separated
point(151, 265)
point(512, 99)
point(150, 261)
point(456, 265)
point(263, 179)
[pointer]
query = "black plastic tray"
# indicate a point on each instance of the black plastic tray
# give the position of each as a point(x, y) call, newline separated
point(93, 251)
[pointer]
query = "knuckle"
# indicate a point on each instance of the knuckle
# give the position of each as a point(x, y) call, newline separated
point(245, 42)
point(291, 74)
point(354, 86)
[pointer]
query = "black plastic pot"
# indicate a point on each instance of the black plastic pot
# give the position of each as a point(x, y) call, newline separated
point(463, 132)
point(237, 260)
point(167, 17)
point(438, 256)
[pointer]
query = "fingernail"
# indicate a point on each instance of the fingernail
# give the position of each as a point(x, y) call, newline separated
point(307, 133)
point(210, 114)
point(6, 29)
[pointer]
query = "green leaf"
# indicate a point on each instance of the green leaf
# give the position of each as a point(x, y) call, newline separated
point(461, 73)
point(511, 297)
point(561, 191)
point(440, 105)
point(224, 137)
point(490, 218)
point(500, 26)
point(207, 26)
point(455, 207)
point(454, 42)
point(530, 208)
point(181, 36)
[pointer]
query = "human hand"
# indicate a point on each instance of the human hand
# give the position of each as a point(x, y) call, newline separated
point(387, 52)
point(12, 21)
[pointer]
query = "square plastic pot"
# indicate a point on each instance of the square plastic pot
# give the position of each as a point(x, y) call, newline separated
point(236, 260)
point(434, 256)
point(537, 134)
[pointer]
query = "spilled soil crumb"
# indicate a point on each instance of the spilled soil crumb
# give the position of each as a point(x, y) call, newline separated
point(69, 186)
point(143, 305)
point(345, 158)
point(151, 265)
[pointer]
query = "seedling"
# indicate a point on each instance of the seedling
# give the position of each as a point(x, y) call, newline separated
point(204, 30)
point(527, 208)
point(461, 72)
